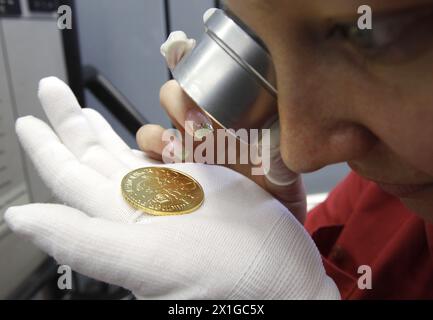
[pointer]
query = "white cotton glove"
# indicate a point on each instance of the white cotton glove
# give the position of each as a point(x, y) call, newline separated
point(176, 47)
point(179, 45)
point(278, 174)
point(241, 244)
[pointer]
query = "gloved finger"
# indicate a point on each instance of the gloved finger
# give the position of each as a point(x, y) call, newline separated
point(176, 47)
point(73, 129)
point(151, 139)
point(69, 180)
point(183, 111)
point(114, 144)
point(278, 173)
point(101, 249)
point(175, 102)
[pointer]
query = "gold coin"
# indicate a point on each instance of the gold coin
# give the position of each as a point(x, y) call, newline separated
point(162, 191)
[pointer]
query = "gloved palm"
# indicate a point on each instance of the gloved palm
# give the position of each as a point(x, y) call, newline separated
point(241, 243)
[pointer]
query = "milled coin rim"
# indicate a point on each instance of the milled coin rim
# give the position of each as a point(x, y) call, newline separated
point(152, 212)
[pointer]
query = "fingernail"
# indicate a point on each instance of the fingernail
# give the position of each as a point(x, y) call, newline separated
point(198, 124)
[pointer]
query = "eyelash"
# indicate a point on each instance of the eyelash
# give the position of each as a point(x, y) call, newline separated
point(363, 39)
point(389, 32)
point(394, 39)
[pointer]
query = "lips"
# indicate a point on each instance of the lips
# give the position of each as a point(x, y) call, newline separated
point(403, 191)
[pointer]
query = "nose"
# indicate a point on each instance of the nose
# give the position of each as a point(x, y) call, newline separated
point(319, 113)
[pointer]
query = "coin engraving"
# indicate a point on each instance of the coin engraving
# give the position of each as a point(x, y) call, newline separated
point(162, 191)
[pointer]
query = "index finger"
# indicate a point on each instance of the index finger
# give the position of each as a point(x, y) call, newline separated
point(184, 112)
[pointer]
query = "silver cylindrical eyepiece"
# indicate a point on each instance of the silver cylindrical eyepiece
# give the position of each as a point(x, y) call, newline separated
point(229, 75)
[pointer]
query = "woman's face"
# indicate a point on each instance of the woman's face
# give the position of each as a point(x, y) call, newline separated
point(346, 95)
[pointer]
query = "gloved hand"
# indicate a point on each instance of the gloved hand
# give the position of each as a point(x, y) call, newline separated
point(241, 244)
point(281, 182)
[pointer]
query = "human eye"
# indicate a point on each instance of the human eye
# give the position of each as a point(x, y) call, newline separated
point(393, 38)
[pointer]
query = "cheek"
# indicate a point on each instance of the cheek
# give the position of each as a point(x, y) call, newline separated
point(409, 138)
point(403, 113)
point(403, 116)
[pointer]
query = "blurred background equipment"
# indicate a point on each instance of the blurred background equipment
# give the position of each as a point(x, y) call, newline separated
point(111, 60)
point(31, 47)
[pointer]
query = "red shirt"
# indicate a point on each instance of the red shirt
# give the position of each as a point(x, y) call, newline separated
point(359, 224)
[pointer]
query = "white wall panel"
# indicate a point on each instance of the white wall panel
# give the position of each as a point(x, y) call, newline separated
point(122, 40)
point(187, 15)
point(34, 51)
